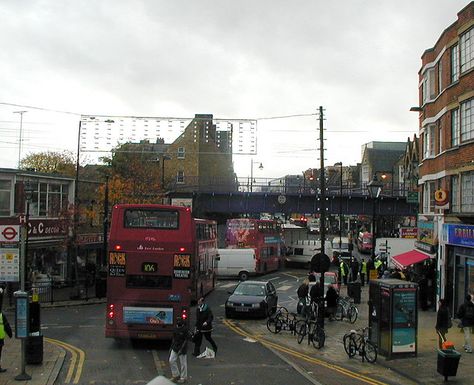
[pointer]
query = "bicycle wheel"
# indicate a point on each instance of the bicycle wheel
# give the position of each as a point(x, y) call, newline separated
point(352, 314)
point(370, 352)
point(274, 325)
point(301, 331)
point(350, 345)
point(339, 312)
point(318, 337)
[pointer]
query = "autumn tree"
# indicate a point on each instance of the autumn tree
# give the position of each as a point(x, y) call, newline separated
point(51, 162)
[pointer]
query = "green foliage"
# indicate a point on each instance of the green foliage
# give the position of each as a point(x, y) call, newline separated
point(51, 162)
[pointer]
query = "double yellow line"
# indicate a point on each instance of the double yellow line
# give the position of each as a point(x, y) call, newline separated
point(76, 363)
point(303, 356)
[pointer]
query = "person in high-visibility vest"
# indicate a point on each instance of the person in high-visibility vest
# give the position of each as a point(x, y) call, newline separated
point(5, 329)
point(343, 270)
point(378, 265)
point(363, 272)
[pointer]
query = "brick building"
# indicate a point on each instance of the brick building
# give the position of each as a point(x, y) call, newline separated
point(446, 169)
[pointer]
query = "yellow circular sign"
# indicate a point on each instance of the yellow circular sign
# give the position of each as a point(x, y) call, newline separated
point(441, 196)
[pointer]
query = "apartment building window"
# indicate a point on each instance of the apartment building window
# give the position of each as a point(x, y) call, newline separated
point(455, 194)
point(467, 124)
point(454, 63)
point(440, 139)
point(467, 50)
point(467, 192)
point(5, 196)
point(455, 127)
point(440, 77)
point(428, 197)
point(429, 79)
point(180, 177)
point(429, 141)
point(181, 153)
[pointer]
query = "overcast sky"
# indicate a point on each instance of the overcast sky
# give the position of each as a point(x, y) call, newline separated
point(233, 59)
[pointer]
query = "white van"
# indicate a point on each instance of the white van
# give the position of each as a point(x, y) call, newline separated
point(343, 252)
point(240, 263)
point(301, 251)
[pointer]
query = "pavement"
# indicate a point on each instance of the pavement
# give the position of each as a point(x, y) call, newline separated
point(421, 369)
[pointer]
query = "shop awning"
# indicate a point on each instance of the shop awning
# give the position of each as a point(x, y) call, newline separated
point(409, 258)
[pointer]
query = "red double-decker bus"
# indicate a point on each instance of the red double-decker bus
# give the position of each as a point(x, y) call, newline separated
point(364, 242)
point(160, 259)
point(263, 235)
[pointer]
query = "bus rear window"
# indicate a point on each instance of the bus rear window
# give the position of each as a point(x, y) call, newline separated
point(151, 219)
point(148, 281)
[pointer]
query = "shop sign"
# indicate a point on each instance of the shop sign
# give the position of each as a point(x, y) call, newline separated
point(462, 235)
point(425, 247)
point(426, 233)
point(408, 232)
point(412, 197)
point(87, 239)
point(441, 199)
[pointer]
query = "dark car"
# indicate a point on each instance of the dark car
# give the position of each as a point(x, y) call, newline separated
point(252, 298)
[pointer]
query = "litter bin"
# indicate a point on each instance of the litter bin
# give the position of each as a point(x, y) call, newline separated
point(34, 349)
point(448, 361)
point(353, 291)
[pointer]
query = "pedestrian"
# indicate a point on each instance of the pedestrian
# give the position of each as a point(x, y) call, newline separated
point(302, 293)
point(354, 269)
point(5, 329)
point(363, 272)
point(466, 315)
point(316, 293)
point(370, 267)
point(443, 322)
point(179, 347)
point(204, 319)
point(343, 271)
point(331, 300)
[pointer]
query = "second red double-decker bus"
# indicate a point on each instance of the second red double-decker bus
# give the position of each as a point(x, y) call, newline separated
point(160, 259)
point(264, 235)
point(364, 242)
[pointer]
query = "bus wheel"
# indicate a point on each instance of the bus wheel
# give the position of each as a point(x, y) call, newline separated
point(243, 275)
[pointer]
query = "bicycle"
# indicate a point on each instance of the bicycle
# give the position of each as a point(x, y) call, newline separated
point(346, 309)
point(358, 341)
point(313, 330)
point(282, 320)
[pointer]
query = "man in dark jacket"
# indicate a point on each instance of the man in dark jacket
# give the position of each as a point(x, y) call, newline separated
point(179, 347)
point(466, 315)
point(443, 321)
point(331, 300)
point(204, 319)
point(5, 329)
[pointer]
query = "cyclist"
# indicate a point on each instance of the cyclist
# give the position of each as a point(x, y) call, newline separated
point(302, 293)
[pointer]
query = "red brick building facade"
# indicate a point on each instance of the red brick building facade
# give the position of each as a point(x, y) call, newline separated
point(446, 169)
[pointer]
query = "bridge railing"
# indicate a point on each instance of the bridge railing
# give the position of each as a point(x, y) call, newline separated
point(278, 186)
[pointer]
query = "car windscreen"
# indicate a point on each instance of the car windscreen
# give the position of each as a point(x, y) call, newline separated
point(252, 289)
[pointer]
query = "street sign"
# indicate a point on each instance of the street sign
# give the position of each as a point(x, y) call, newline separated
point(9, 264)
point(412, 197)
point(10, 233)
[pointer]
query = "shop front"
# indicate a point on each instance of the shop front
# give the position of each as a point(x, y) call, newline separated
point(460, 263)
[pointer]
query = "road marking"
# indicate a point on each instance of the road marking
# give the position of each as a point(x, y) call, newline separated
point(303, 356)
point(274, 278)
point(159, 364)
point(292, 276)
point(75, 354)
point(284, 288)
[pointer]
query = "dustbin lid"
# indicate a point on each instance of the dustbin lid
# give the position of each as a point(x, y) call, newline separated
point(449, 353)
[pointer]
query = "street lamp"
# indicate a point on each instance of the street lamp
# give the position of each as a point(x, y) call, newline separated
point(163, 158)
point(374, 188)
point(251, 172)
point(340, 207)
point(28, 190)
point(21, 134)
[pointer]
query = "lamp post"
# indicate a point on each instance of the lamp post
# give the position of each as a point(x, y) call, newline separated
point(163, 159)
point(28, 189)
point(251, 172)
point(21, 134)
point(340, 206)
point(374, 188)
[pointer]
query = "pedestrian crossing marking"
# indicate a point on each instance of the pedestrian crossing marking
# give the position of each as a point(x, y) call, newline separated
point(284, 288)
